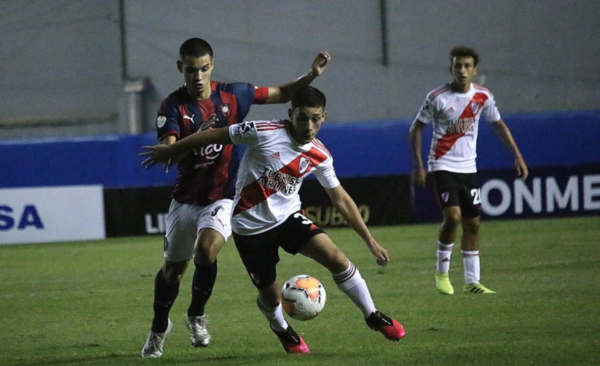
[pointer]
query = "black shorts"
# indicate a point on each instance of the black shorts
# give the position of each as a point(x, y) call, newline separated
point(458, 189)
point(260, 252)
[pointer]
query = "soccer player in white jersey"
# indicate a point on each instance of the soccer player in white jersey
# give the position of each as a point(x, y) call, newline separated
point(267, 213)
point(454, 111)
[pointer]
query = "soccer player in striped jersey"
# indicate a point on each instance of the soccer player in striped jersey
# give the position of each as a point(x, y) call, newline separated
point(454, 110)
point(267, 209)
point(198, 222)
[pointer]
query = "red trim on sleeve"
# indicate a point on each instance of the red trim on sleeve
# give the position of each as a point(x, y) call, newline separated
point(261, 93)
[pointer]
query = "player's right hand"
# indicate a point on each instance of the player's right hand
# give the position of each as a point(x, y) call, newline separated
point(156, 154)
point(419, 176)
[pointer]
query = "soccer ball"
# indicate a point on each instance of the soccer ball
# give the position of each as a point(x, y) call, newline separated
point(303, 297)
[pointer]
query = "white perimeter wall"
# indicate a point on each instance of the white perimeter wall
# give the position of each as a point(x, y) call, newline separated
point(62, 58)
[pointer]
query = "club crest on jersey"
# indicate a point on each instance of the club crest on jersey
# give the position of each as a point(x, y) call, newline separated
point(160, 121)
point(475, 107)
point(445, 196)
point(303, 165)
point(225, 109)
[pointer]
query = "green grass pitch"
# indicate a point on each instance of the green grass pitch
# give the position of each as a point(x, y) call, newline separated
point(90, 303)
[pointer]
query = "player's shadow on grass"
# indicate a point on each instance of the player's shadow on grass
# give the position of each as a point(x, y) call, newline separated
point(112, 359)
point(268, 357)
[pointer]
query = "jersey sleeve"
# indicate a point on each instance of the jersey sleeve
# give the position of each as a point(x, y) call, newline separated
point(426, 112)
point(243, 133)
point(490, 111)
point(167, 120)
point(248, 94)
point(325, 173)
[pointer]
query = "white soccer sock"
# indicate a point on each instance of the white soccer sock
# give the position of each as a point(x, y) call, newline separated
point(443, 257)
point(274, 316)
point(354, 286)
point(471, 264)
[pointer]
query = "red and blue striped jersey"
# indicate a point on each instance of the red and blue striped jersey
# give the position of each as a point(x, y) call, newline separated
point(209, 173)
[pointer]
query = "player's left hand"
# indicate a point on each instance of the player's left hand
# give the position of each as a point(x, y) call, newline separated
point(320, 63)
point(209, 124)
point(157, 154)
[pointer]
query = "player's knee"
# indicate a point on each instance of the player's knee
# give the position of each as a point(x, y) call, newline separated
point(172, 277)
point(174, 271)
point(208, 247)
point(471, 226)
point(337, 262)
point(452, 219)
point(264, 281)
point(206, 255)
point(204, 258)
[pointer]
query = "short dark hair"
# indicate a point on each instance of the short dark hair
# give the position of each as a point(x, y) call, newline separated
point(309, 96)
point(195, 47)
point(464, 51)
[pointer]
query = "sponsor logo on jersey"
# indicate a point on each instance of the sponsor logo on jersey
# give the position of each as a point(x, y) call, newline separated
point(160, 121)
point(461, 125)
point(209, 152)
point(185, 116)
point(276, 155)
point(207, 155)
point(279, 181)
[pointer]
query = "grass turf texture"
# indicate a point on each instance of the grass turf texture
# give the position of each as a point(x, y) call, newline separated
point(90, 303)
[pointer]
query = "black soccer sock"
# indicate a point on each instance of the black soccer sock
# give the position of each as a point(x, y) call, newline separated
point(202, 286)
point(164, 297)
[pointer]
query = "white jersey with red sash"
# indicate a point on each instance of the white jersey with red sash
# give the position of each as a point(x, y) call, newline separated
point(455, 118)
point(271, 173)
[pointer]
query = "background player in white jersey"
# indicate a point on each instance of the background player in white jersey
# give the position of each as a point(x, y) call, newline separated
point(454, 111)
point(267, 212)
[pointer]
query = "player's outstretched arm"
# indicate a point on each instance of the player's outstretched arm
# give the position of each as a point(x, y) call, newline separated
point(283, 93)
point(171, 139)
point(347, 208)
point(168, 140)
point(507, 139)
point(416, 141)
point(166, 153)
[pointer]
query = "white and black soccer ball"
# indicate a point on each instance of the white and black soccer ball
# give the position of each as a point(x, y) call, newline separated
point(303, 297)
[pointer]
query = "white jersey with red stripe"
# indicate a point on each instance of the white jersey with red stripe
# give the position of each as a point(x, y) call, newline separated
point(271, 173)
point(455, 117)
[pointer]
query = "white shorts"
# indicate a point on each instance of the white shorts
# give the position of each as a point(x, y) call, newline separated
point(185, 221)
